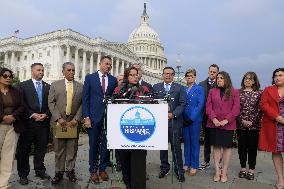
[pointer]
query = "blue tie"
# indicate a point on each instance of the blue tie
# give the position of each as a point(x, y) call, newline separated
point(167, 88)
point(39, 93)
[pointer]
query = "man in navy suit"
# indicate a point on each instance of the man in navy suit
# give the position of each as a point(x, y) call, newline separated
point(35, 92)
point(175, 121)
point(96, 87)
point(208, 84)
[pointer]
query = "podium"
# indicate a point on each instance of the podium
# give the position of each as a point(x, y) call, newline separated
point(137, 126)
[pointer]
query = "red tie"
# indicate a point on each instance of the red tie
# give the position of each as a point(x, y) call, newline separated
point(103, 84)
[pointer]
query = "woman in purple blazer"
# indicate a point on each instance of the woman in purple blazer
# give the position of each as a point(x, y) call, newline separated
point(222, 108)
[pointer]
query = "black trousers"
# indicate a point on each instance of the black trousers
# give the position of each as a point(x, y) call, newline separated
point(176, 152)
point(133, 166)
point(207, 143)
point(247, 147)
point(39, 137)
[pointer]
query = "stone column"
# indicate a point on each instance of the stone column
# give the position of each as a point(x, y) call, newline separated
point(84, 65)
point(111, 71)
point(6, 59)
point(121, 71)
point(98, 61)
point(68, 53)
point(92, 63)
point(12, 63)
point(117, 67)
point(77, 70)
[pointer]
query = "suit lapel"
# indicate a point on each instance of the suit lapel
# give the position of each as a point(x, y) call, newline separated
point(98, 81)
point(34, 93)
point(75, 89)
point(44, 92)
point(172, 89)
point(109, 84)
point(274, 93)
point(191, 91)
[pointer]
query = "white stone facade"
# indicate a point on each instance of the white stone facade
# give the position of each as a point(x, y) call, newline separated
point(54, 48)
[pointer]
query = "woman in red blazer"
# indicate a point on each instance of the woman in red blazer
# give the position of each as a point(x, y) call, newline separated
point(222, 108)
point(272, 124)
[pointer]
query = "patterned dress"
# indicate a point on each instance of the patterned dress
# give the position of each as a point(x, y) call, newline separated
point(280, 128)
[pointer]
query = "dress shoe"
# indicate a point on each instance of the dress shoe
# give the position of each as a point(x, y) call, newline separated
point(24, 181)
point(250, 176)
point(181, 178)
point(103, 175)
point(43, 176)
point(57, 178)
point(71, 176)
point(242, 174)
point(162, 174)
point(94, 178)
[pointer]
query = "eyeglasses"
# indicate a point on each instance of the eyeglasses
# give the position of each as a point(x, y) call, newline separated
point(5, 76)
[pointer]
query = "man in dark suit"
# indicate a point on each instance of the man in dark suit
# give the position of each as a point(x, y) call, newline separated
point(142, 82)
point(175, 121)
point(35, 93)
point(208, 84)
point(96, 87)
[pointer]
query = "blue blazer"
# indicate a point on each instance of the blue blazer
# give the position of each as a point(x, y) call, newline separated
point(93, 105)
point(195, 102)
point(176, 105)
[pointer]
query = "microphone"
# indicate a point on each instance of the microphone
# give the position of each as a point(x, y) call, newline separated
point(125, 93)
point(133, 93)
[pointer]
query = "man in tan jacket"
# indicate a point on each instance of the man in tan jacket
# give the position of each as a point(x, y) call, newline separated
point(65, 105)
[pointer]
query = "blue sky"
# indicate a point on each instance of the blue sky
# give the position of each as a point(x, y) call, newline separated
point(238, 35)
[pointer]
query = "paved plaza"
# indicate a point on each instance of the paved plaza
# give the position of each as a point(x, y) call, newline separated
point(265, 176)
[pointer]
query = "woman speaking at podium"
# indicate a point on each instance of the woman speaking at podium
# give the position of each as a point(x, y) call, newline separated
point(130, 89)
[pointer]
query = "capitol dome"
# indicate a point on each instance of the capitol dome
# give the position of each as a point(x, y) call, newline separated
point(145, 43)
point(144, 32)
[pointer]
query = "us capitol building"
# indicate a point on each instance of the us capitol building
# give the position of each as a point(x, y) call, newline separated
point(54, 48)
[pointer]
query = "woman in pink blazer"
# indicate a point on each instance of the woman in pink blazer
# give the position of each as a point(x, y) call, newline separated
point(222, 108)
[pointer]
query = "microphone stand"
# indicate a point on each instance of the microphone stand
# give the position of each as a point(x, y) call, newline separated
point(107, 100)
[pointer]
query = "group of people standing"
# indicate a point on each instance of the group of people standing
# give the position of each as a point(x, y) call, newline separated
point(255, 115)
point(214, 106)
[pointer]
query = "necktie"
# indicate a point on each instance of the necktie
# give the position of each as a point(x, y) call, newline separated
point(39, 93)
point(103, 84)
point(69, 98)
point(167, 88)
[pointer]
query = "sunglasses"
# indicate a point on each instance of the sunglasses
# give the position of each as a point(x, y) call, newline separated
point(7, 76)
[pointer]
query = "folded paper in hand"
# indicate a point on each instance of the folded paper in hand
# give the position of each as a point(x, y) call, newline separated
point(65, 132)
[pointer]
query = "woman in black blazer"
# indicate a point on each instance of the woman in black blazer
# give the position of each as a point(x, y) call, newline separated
point(11, 124)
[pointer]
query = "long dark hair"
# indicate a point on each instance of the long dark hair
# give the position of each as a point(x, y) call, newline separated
point(256, 85)
point(274, 73)
point(228, 86)
point(126, 82)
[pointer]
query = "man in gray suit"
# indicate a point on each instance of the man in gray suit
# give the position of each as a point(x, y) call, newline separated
point(177, 102)
point(65, 105)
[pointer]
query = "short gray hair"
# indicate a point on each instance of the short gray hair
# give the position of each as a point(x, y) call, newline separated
point(65, 64)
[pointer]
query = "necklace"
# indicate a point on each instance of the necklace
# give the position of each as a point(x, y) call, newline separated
point(4, 91)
